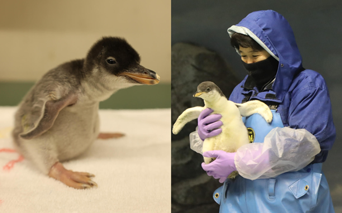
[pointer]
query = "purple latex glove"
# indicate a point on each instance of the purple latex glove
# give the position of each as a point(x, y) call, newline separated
point(208, 124)
point(222, 166)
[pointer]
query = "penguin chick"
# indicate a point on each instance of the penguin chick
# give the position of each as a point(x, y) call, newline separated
point(58, 118)
point(234, 132)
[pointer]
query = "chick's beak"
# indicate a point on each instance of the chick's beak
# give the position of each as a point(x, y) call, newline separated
point(142, 75)
point(198, 94)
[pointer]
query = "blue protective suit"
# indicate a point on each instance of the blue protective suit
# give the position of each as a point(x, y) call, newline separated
point(302, 101)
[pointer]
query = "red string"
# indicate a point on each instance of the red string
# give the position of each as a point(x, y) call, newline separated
point(7, 150)
point(10, 164)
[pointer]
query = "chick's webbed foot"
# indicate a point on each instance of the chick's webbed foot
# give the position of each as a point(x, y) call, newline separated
point(77, 180)
point(105, 135)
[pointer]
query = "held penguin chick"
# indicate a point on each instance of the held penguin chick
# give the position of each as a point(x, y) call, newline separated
point(58, 118)
point(234, 133)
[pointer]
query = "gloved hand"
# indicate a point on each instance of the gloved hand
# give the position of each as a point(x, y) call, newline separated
point(208, 124)
point(222, 166)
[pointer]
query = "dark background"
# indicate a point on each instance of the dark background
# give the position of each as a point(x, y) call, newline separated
point(318, 30)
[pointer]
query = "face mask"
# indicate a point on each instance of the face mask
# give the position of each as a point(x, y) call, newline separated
point(263, 71)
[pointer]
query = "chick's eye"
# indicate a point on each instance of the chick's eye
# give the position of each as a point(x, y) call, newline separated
point(208, 89)
point(111, 60)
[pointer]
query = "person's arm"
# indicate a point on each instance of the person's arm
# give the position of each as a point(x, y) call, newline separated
point(283, 150)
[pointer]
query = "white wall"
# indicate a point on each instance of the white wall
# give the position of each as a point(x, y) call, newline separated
point(38, 35)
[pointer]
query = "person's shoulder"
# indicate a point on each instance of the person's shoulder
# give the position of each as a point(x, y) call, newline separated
point(309, 79)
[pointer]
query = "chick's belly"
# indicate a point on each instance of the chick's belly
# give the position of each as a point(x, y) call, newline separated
point(74, 136)
point(226, 141)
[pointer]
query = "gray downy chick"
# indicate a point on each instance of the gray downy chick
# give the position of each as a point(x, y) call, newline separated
point(58, 118)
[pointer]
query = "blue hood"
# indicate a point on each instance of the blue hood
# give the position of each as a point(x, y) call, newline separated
point(274, 34)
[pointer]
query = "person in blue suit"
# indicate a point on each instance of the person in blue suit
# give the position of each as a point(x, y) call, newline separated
point(281, 169)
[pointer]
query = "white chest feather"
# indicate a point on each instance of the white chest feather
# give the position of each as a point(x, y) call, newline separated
point(234, 133)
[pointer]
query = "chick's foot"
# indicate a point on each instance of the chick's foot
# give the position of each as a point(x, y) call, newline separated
point(77, 180)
